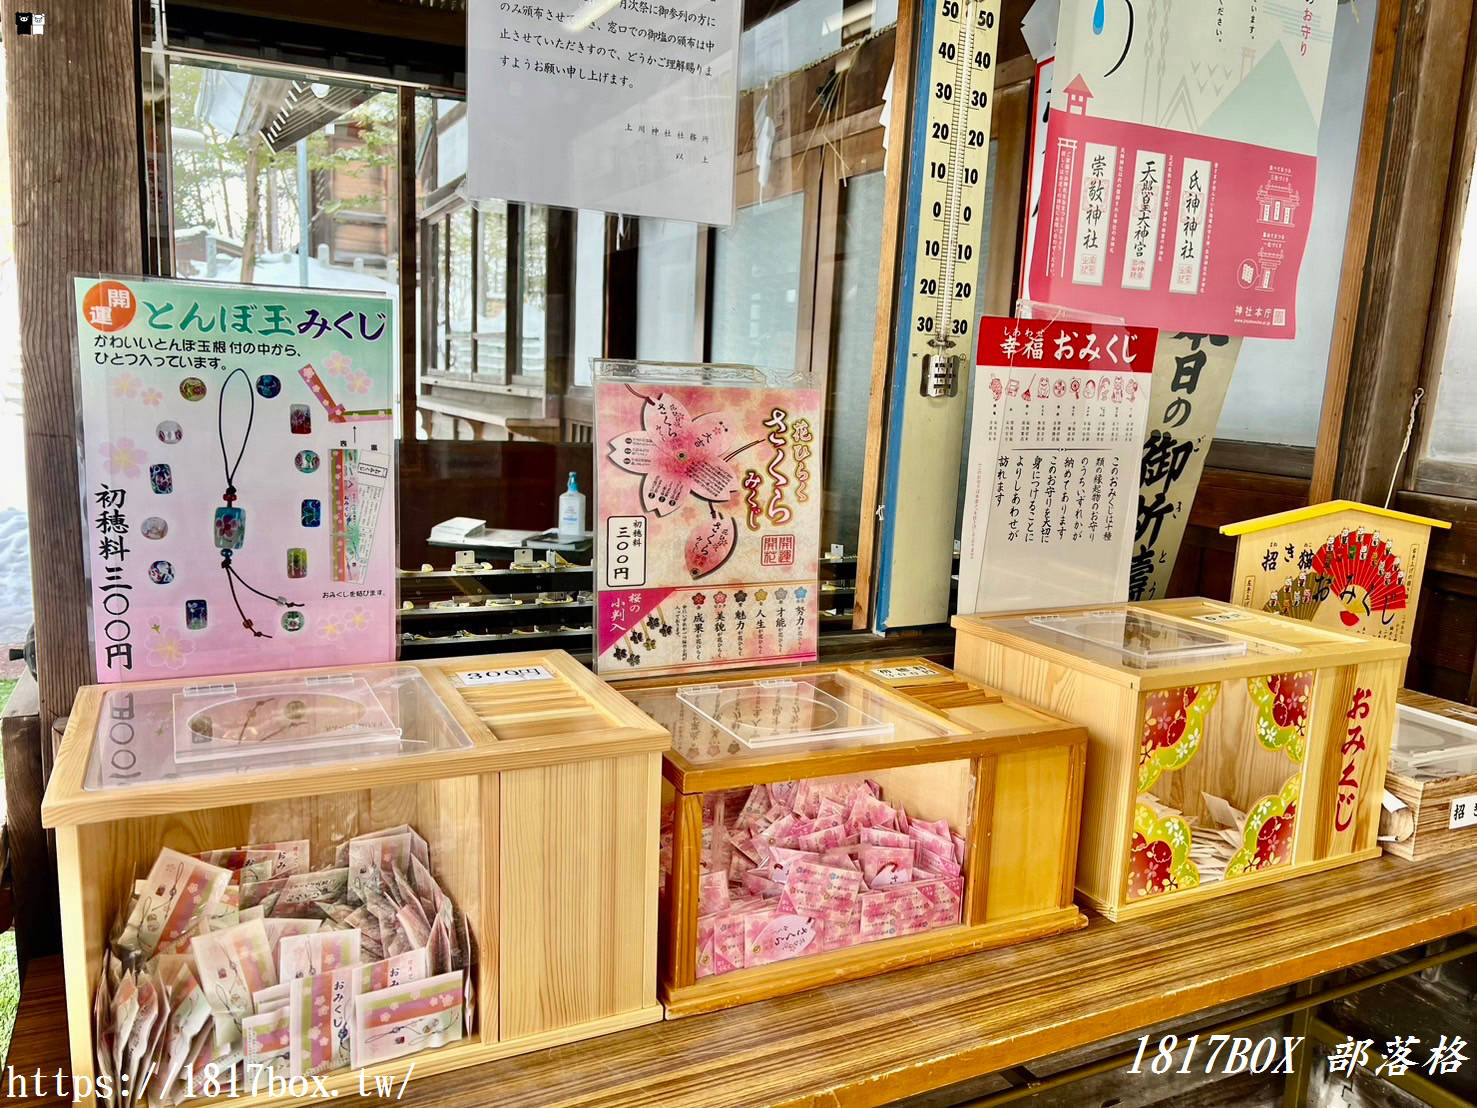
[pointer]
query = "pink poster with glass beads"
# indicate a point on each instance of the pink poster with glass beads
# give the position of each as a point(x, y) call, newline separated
point(707, 518)
point(238, 476)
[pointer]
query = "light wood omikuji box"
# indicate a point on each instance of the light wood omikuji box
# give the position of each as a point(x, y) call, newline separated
point(536, 787)
point(1228, 748)
point(1006, 778)
point(1433, 772)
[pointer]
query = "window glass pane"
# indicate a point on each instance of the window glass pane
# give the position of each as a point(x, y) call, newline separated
point(589, 293)
point(535, 266)
point(756, 284)
point(451, 151)
point(666, 298)
point(1453, 434)
point(436, 252)
point(849, 380)
point(492, 288)
point(247, 147)
point(1276, 392)
point(805, 32)
point(459, 292)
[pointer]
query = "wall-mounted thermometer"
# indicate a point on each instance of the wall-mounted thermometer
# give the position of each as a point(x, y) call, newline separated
point(938, 282)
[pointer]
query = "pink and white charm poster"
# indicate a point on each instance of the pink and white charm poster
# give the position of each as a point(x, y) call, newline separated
point(239, 480)
point(1181, 158)
point(1052, 478)
point(707, 519)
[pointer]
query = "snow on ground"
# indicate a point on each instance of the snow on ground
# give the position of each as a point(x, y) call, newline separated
point(15, 577)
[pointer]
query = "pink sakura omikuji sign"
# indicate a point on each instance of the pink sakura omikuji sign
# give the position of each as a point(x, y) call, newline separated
point(707, 537)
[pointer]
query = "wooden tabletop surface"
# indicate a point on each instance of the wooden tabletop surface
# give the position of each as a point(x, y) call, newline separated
point(871, 1041)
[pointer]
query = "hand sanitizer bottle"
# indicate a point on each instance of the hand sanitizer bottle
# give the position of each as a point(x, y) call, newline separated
point(572, 512)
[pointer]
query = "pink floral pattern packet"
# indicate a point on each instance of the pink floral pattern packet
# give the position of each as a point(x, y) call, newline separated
point(886, 865)
point(778, 937)
point(176, 895)
point(712, 893)
point(877, 836)
point(321, 1013)
point(403, 1019)
point(816, 889)
point(316, 952)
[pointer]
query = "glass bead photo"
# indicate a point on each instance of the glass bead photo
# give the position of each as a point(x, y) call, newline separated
point(154, 528)
point(195, 615)
point(161, 480)
point(161, 572)
point(306, 461)
point(312, 513)
point(293, 621)
point(297, 562)
point(300, 419)
point(268, 385)
point(170, 432)
point(230, 528)
point(192, 388)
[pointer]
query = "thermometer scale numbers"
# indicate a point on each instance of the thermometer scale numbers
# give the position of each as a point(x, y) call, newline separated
point(951, 193)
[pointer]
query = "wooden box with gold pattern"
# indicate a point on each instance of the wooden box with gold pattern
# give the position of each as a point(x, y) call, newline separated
point(1432, 778)
point(831, 822)
point(532, 791)
point(1228, 748)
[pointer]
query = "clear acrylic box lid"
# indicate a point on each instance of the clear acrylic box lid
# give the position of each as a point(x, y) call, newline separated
point(1129, 637)
point(1429, 746)
point(813, 712)
point(202, 729)
point(781, 712)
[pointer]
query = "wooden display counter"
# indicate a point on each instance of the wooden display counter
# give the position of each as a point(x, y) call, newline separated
point(874, 1040)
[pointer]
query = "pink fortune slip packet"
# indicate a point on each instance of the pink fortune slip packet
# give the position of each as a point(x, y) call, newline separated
point(800, 867)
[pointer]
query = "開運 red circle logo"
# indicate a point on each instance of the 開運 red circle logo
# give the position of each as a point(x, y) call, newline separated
point(109, 306)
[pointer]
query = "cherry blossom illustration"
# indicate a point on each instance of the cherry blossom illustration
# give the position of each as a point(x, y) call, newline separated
point(710, 545)
point(678, 455)
point(166, 649)
point(125, 386)
point(150, 397)
point(122, 458)
point(357, 381)
point(336, 364)
point(330, 627)
point(356, 619)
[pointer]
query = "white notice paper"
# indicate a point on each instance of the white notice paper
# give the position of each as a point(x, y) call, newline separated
point(613, 105)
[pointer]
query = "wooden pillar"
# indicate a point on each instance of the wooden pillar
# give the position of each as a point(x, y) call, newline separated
point(72, 99)
point(72, 104)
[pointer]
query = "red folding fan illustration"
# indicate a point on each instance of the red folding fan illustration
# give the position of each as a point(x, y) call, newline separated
point(1365, 578)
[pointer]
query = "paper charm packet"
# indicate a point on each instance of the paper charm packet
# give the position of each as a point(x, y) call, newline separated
point(189, 1011)
point(321, 1011)
point(413, 965)
point(231, 966)
point(299, 892)
point(261, 861)
point(178, 890)
point(249, 955)
point(402, 1019)
point(264, 1042)
point(316, 952)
